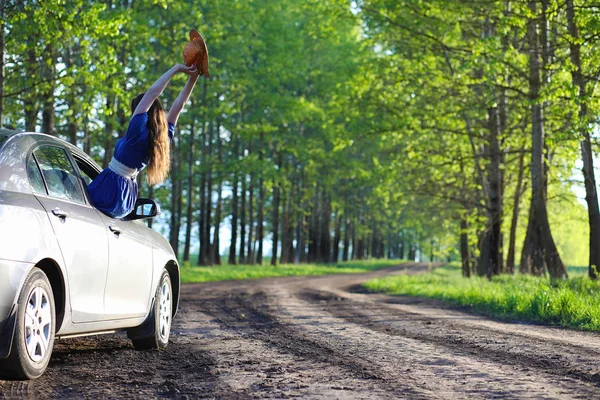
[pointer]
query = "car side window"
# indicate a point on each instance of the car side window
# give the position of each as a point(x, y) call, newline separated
point(59, 174)
point(35, 176)
point(87, 172)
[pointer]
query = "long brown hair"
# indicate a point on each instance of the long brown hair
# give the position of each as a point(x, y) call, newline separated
point(159, 156)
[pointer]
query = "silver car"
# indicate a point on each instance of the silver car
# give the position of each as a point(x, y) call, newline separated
point(68, 270)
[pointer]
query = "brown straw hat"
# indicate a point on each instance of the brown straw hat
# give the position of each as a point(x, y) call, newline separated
point(195, 53)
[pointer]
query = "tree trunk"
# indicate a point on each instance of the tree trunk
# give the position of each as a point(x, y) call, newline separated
point(175, 193)
point(353, 239)
point(411, 252)
point(510, 259)
point(250, 259)
point(401, 247)
point(276, 194)
point(494, 236)
point(261, 203)
point(313, 229)
point(287, 229)
point(202, 220)
point(261, 216)
point(204, 167)
point(242, 257)
point(203, 251)
point(234, 208)
point(72, 125)
point(464, 248)
point(325, 229)
point(299, 254)
point(360, 236)
point(216, 247)
point(49, 75)
point(346, 235)
point(374, 240)
point(179, 204)
point(529, 250)
point(209, 187)
point(360, 250)
point(541, 248)
point(285, 224)
point(112, 105)
point(71, 99)
point(591, 193)
point(112, 102)
point(544, 30)
point(190, 193)
point(29, 101)
point(301, 225)
point(290, 229)
point(431, 249)
point(484, 244)
point(209, 202)
point(87, 138)
point(150, 195)
point(337, 237)
point(250, 255)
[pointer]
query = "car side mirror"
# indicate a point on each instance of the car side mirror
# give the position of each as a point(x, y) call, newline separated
point(144, 209)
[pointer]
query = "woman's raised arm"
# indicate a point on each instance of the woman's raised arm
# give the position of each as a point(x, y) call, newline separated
point(181, 99)
point(159, 86)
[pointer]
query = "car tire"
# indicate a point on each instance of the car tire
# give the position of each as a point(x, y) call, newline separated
point(34, 331)
point(162, 316)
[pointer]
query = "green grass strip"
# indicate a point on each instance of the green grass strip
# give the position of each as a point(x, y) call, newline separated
point(573, 303)
point(191, 274)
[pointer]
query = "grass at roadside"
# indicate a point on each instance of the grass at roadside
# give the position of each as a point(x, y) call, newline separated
point(191, 274)
point(572, 303)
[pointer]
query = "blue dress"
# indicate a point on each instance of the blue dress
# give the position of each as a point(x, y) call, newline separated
point(115, 190)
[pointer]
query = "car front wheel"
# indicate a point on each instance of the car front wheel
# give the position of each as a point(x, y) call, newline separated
point(162, 316)
point(34, 331)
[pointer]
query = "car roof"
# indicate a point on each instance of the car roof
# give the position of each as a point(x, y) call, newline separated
point(14, 149)
point(11, 133)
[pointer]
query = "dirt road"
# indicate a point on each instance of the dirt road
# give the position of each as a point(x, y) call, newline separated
point(320, 337)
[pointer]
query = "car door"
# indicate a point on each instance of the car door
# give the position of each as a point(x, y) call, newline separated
point(129, 278)
point(80, 231)
point(129, 281)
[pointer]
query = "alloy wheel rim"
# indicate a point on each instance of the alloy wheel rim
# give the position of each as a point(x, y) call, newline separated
point(38, 324)
point(164, 315)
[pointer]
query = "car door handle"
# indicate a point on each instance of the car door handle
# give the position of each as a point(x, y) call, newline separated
point(60, 213)
point(115, 229)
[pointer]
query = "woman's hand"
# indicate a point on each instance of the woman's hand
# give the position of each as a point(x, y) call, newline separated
point(191, 70)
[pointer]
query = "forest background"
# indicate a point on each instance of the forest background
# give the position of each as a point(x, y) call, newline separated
point(334, 130)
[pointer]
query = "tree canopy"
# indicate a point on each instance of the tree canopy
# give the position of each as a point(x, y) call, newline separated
point(335, 129)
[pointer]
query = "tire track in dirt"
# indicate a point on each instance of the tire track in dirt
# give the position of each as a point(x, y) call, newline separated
point(404, 366)
point(437, 370)
point(549, 356)
point(465, 317)
point(236, 312)
point(260, 369)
